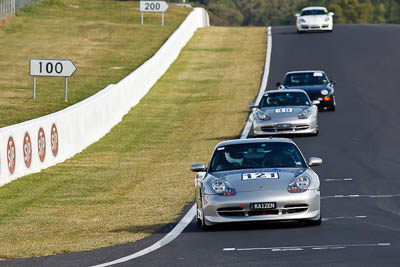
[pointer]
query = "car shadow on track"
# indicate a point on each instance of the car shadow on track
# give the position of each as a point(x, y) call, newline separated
point(279, 225)
point(290, 136)
point(294, 32)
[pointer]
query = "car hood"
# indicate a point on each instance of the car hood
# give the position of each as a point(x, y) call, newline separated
point(284, 112)
point(309, 88)
point(314, 18)
point(238, 179)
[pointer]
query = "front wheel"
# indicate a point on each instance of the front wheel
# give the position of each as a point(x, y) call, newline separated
point(316, 132)
point(315, 222)
point(204, 226)
point(198, 220)
point(332, 107)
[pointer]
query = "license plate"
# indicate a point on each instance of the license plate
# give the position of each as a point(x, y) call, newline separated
point(284, 126)
point(263, 206)
point(260, 175)
point(283, 110)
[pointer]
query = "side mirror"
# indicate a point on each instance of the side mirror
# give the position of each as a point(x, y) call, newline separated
point(199, 167)
point(333, 82)
point(316, 102)
point(331, 14)
point(314, 161)
point(278, 84)
point(297, 15)
point(253, 105)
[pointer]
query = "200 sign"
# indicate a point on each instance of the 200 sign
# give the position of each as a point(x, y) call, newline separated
point(152, 6)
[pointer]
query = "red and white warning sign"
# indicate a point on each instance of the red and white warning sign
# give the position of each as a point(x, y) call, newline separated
point(27, 150)
point(11, 154)
point(41, 144)
point(54, 139)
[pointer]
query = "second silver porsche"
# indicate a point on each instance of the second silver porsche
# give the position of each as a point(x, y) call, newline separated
point(285, 112)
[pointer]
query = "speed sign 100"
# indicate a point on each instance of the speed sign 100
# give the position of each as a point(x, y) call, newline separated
point(51, 67)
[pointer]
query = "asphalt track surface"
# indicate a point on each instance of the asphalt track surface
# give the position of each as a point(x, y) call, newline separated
point(360, 190)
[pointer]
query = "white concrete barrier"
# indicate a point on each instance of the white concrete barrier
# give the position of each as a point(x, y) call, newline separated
point(37, 144)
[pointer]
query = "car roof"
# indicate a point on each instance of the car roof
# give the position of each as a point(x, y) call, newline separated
point(291, 90)
point(304, 71)
point(255, 140)
point(314, 7)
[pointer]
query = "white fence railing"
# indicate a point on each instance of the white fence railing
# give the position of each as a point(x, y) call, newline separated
point(7, 8)
point(34, 145)
point(11, 7)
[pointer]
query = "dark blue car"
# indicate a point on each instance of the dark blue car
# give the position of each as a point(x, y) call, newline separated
point(315, 83)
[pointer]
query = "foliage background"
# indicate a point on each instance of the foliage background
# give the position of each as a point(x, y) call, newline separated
point(281, 12)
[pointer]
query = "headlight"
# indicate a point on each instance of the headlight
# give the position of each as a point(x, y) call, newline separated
point(327, 18)
point(302, 21)
point(299, 185)
point(305, 114)
point(303, 182)
point(221, 188)
point(324, 92)
point(218, 186)
point(262, 115)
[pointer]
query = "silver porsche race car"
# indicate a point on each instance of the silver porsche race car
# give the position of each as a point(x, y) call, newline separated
point(257, 180)
point(285, 112)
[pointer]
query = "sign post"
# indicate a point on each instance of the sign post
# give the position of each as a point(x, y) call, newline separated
point(154, 7)
point(51, 68)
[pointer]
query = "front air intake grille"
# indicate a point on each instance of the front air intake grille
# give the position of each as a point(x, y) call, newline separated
point(294, 128)
point(294, 208)
point(231, 211)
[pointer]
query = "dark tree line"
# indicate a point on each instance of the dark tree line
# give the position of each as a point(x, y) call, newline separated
point(281, 12)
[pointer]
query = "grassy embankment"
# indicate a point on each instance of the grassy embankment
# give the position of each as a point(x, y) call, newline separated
point(136, 179)
point(103, 38)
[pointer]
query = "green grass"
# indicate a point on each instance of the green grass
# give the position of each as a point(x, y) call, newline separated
point(136, 178)
point(103, 38)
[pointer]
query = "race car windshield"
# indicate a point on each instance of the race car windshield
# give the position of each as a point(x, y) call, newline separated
point(305, 78)
point(284, 99)
point(313, 12)
point(256, 156)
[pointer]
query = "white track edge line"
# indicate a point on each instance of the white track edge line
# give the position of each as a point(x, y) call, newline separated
point(264, 82)
point(162, 242)
point(308, 247)
point(192, 212)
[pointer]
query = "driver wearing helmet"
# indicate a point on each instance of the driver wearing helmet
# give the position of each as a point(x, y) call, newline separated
point(234, 157)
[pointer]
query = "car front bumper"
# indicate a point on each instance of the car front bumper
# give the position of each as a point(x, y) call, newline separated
point(304, 27)
point(289, 206)
point(285, 126)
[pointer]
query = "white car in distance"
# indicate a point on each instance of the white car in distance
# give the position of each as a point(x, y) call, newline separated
point(314, 19)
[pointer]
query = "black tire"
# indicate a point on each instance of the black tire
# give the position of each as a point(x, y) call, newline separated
point(314, 222)
point(198, 220)
point(332, 108)
point(204, 226)
point(333, 104)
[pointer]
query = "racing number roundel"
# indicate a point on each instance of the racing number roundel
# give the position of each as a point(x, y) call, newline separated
point(54, 139)
point(27, 150)
point(41, 144)
point(11, 154)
